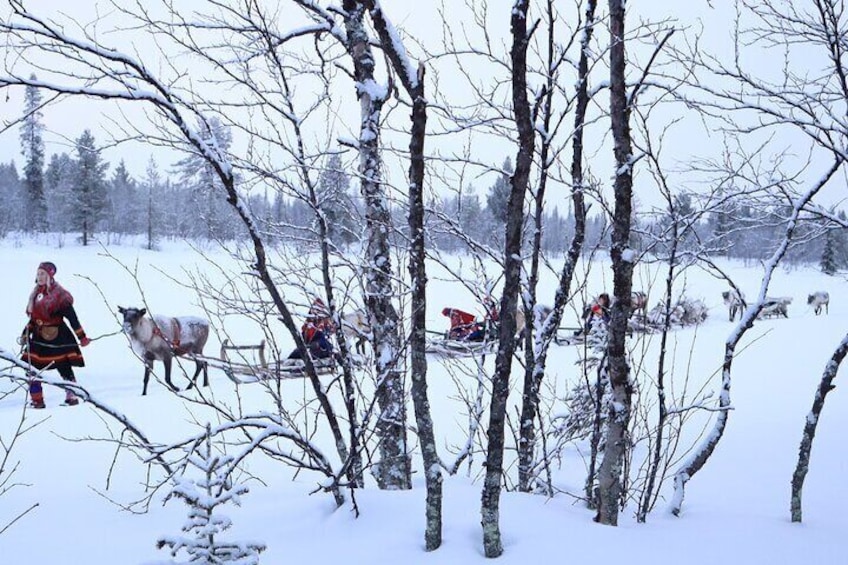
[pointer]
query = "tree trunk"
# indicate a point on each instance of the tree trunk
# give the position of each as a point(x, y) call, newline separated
point(609, 474)
point(536, 347)
point(810, 425)
point(648, 498)
point(490, 509)
point(393, 470)
point(418, 338)
point(418, 274)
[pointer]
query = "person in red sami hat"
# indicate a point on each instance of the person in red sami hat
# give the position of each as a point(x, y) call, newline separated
point(47, 340)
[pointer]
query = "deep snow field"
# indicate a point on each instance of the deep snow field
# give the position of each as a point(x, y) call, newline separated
point(736, 509)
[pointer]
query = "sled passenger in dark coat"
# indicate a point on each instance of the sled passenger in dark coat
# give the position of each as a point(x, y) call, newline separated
point(47, 340)
point(597, 311)
point(315, 337)
point(316, 331)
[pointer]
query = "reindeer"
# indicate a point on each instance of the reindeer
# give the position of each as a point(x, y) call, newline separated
point(355, 326)
point(540, 314)
point(818, 300)
point(775, 306)
point(734, 299)
point(161, 338)
point(639, 303)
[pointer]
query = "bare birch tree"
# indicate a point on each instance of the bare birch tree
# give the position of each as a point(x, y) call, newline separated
point(413, 82)
point(609, 474)
point(536, 344)
point(492, 544)
point(758, 102)
point(810, 425)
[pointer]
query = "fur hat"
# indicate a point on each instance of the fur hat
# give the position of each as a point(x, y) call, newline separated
point(49, 267)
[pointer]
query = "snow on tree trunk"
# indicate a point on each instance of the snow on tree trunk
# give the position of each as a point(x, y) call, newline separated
point(610, 472)
point(648, 499)
point(414, 85)
point(492, 544)
point(810, 426)
point(537, 343)
point(393, 470)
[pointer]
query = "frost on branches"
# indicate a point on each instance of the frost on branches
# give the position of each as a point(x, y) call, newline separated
point(205, 524)
point(584, 411)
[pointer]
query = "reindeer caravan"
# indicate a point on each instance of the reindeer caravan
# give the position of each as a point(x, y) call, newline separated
point(162, 338)
point(773, 306)
point(468, 336)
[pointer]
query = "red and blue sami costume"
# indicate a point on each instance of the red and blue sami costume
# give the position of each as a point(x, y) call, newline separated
point(47, 339)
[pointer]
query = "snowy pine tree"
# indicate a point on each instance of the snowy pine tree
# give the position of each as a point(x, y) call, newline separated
point(498, 196)
point(151, 191)
point(125, 211)
point(205, 523)
point(828, 258)
point(584, 410)
point(11, 194)
point(335, 202)
point(58, 191)
point(202, 187)
point(32, 148)
point(89, 188)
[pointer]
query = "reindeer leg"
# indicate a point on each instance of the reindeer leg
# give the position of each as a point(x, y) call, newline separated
point(148, 368)
point(193, 379)
point(167, 362)
point(198, 366)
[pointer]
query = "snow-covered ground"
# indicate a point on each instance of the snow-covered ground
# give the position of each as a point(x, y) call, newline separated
point(736, 509)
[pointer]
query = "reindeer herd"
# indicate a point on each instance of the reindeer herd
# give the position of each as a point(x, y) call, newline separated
point(161, 338)
point(773, 307)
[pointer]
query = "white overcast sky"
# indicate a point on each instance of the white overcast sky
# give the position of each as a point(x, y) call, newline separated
point(65, 121)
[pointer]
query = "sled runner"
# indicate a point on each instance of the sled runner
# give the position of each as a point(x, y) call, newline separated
point(466, 337)
point(460, 348)
point(252, 365)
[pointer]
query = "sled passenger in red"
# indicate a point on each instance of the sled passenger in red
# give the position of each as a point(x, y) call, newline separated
point(463, 326)
point(47, 340)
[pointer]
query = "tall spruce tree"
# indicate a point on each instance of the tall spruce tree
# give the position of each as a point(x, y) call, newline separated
point(59, 178)
point(12, 198)
point(203, 187)
point(334, 201)
point(89, 188)
point(32, 148)
point(498, 196)
point(125, 211)
point(151, 191)
point(828, 259)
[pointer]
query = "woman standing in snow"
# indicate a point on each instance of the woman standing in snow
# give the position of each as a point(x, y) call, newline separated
point(47, 340)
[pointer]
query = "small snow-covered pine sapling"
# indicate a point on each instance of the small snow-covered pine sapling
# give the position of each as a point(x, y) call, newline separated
point(205, 523)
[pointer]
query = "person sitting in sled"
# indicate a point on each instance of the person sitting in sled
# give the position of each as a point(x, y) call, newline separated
point(319, 314)
point(598, 311)
point(316, 331)
point(463, 326)
point(315, 337)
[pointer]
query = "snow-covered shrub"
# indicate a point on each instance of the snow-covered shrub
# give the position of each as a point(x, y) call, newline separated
point(205, 523)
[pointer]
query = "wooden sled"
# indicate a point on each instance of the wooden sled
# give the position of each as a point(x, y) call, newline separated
point(253, 365)
point(460, 348)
